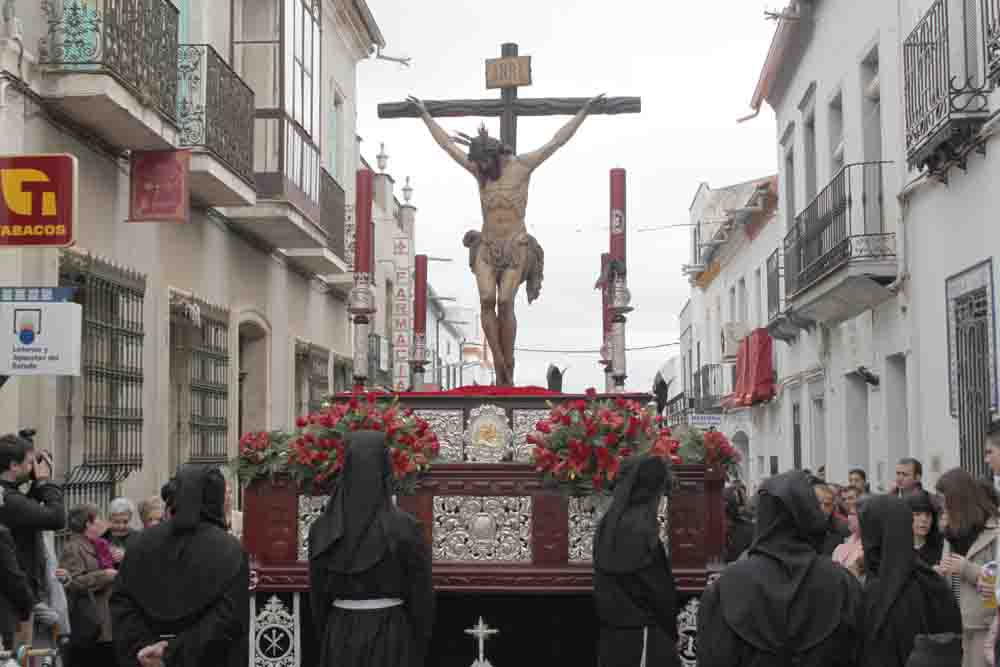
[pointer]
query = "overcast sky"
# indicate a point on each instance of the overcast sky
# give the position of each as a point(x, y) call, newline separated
point(694, 64)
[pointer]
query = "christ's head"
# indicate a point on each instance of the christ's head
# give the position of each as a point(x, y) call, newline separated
point(488, 154)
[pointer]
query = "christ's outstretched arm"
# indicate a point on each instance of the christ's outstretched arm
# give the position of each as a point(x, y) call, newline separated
point(534, 158)
point(443, 140)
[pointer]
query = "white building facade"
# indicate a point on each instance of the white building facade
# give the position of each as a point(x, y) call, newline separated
point(849, 388)
point(235, 320)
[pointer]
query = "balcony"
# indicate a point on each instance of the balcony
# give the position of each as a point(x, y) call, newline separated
point(215, 115)
point(709, 388)
point(838, 257)
point(331, 260)
point(111, 67)
point(946, 90)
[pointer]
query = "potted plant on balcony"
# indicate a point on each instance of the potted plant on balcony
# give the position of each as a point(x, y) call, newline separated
point(581, 446)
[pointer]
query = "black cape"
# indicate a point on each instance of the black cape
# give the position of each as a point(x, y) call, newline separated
point(363, 548)
point(785, 604)
point(186, 577)
point(634, 590)
point(904, 597)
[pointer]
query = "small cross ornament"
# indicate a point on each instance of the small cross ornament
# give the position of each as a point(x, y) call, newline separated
point(481, 632)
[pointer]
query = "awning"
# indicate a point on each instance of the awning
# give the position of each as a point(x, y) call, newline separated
point(755, 369)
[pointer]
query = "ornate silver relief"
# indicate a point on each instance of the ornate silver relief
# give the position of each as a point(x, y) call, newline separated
point(524, 425)
point(584, 515)
point(687, 633)
point(275, 633)
point(472, 528)
point(449, 427)
point(488, 436)
point(310, 507)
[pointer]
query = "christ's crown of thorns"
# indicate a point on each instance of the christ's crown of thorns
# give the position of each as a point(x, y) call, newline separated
point(465, 140)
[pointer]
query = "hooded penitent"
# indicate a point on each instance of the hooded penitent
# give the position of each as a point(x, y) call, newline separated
point(904, 597)
point(634, 591)
point(628, 536)
point(186, 577)
point(784, 604)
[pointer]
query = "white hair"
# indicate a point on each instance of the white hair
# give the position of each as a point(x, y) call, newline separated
point(122, 506)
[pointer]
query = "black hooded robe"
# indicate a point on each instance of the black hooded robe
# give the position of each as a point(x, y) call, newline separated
point(361, 549)
point(185, 580)
point(634, 590)
point(904, 597)
point(785, 604)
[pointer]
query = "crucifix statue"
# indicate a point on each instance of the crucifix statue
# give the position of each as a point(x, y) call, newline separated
point(503, 255)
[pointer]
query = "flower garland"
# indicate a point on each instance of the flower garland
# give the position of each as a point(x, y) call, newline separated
point(313, 454)
point(583, 443)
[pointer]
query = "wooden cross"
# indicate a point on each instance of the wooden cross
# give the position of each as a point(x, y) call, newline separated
point(507, 73)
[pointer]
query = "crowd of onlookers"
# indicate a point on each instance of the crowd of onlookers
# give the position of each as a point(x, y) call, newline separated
point(955, 531)
point(61, 600)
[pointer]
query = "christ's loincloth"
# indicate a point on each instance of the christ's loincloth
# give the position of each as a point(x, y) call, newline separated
point(502, 255)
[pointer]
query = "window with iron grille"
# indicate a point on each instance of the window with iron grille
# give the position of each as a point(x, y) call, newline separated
point(209, 392)
point(104, 405)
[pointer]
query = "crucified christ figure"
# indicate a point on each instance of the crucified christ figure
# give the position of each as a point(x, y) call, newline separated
point(503, 255)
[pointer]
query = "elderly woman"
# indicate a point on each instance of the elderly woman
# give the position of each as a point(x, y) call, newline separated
point(151, 511)
point(121, 511)
point(88, 586)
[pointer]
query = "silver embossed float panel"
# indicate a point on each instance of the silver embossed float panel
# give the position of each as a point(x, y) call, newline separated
point(586, 513)
point(310, 507)
point(449, 426)
point(524, 425)
point(476, 528)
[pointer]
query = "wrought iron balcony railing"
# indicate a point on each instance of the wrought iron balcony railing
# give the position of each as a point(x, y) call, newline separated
point(215, 109)
point(676, 411)
point(709, 387)
point(844, 222)
point(991, 36)
point(946, 90)
point(332, 212)
point(134, 41)
point(773, 285)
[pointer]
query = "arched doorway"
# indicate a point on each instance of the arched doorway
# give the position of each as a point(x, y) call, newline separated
point(741, 441)
point(254, 374)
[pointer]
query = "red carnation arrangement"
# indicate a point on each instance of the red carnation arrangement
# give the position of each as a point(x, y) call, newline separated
point(582, 444)
point(711, 448)
point(313, 454)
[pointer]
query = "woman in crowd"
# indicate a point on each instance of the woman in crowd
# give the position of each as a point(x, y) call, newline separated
point(970, 542)
point(369, 568)
point(121, 512)
point(90, 578)
point(151, 511)
point(904, 598)
point(633, 586)
point(927, 539)
point(851, 553)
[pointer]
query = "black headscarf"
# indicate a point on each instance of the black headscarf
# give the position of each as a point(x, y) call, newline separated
point(920, 501)
point(769, 599)
point(628, 535)
point(178, 568)
point(355, 531)
point(899, 584)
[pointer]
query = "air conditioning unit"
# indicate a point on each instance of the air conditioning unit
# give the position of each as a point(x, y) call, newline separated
point(732, 334)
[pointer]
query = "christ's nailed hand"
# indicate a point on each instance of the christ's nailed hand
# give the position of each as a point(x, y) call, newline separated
point(596, 99)
point(417, 102)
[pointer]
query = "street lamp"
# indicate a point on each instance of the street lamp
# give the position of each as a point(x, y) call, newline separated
point(382, 158)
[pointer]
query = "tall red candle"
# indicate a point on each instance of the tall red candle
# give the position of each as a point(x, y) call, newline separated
point(364, 235)
point(420, 295)
point(617, 225)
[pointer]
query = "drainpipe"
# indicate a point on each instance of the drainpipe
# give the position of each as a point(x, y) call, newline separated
point(902, 259)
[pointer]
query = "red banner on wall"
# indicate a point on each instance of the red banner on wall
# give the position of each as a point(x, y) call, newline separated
point(159, 186)
point(39, 200)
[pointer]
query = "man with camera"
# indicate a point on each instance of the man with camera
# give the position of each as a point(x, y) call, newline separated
point(28, 515)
